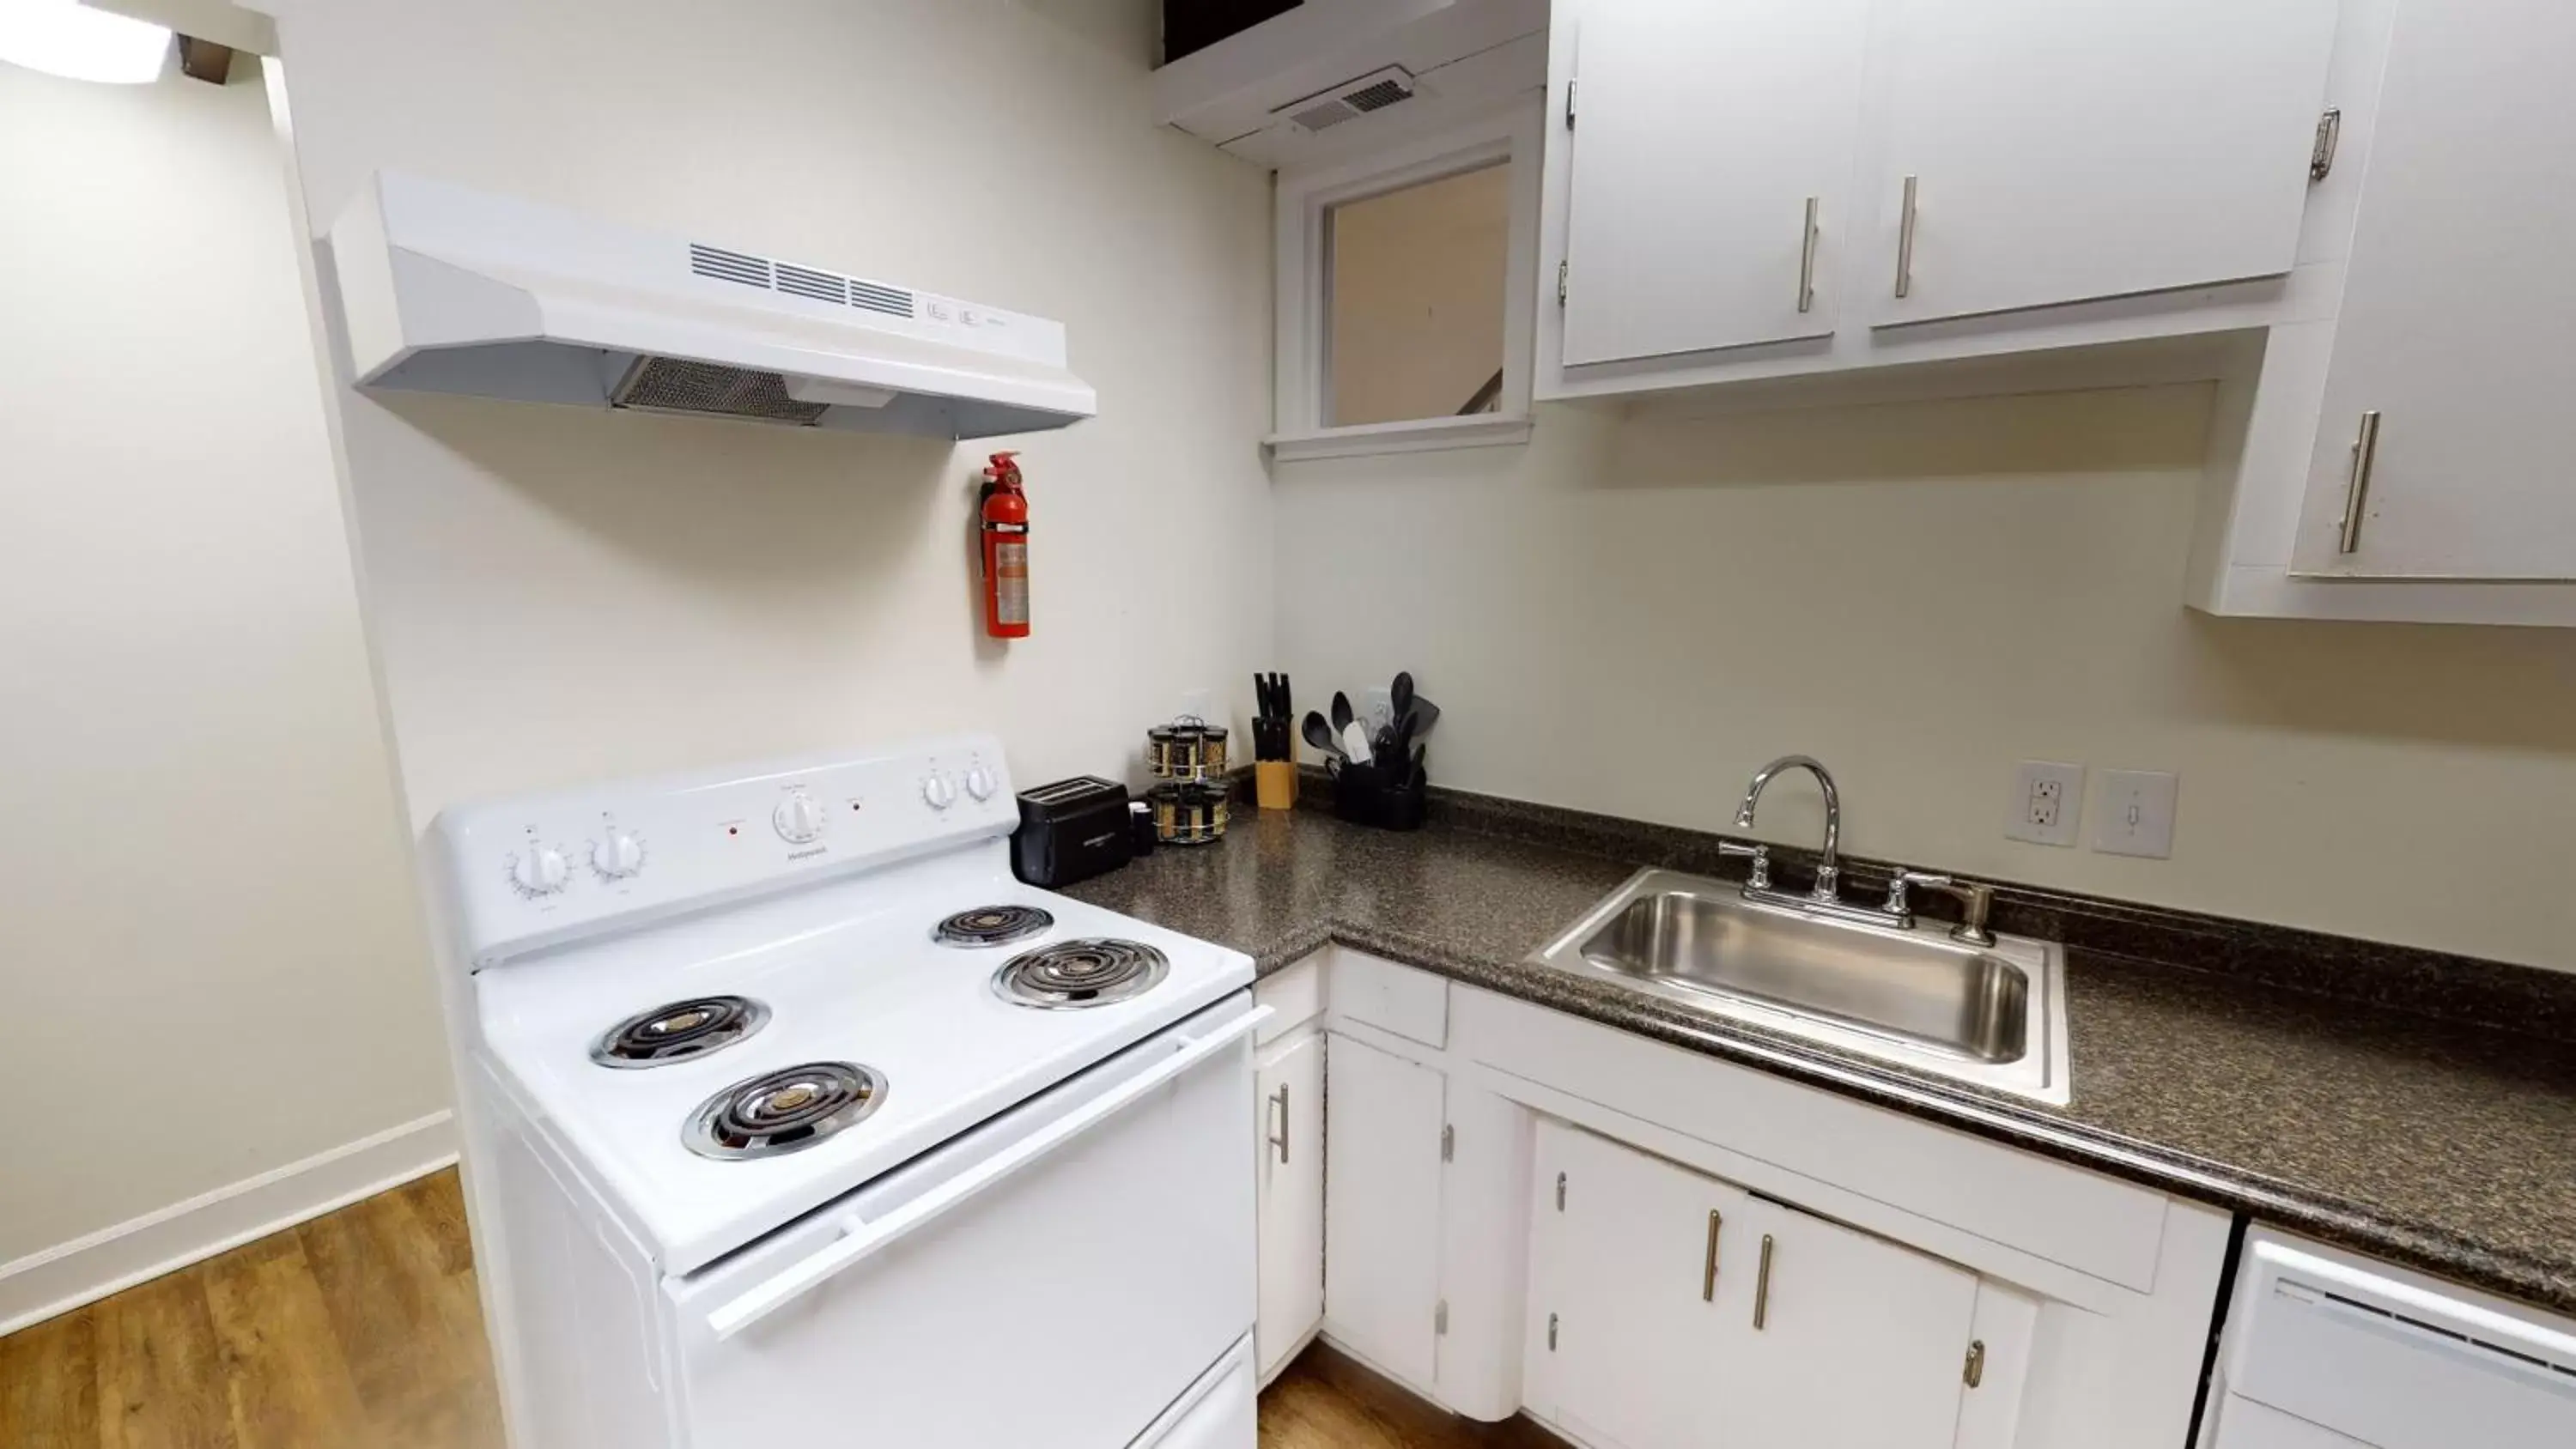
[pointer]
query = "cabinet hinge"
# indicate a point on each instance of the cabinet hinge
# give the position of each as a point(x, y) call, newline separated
point(2329, 131)
point(1551, 1333)
point(1448, 1143)
point(1440, 1317)
point(1560, 1192)
point(1561, 268)
point(1570, 84)
point(1975, 1371)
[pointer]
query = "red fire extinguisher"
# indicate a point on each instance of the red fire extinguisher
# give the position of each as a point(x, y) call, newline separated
point(1005, 512)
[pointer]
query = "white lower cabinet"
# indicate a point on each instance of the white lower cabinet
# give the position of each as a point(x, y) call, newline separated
point(1647, 1248)
point(1290, 1185)
point(1382, 1209)
point(1676, 1310)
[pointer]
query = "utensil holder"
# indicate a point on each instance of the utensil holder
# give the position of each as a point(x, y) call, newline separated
point(1274, 784)
point(1362, 797)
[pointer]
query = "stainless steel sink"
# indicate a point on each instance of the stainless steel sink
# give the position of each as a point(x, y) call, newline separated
point(1992, 1016)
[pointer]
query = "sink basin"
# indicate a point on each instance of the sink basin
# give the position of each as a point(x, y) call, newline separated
point(1991, 1016)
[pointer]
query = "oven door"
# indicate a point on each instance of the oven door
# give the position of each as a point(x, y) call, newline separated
point(1061, 1275)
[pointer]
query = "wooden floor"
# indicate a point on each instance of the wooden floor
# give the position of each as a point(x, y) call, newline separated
point(361, 1329)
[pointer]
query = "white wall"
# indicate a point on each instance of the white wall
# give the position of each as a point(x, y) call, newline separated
point(558, 595)
point(208, 947)
point(1631, 616)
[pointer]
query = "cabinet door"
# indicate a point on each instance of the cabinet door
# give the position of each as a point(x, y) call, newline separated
point(2459, 284)
point(2068, 150)
point(1642, 1280)
point(1852, 1341)
point(1705, 130)
point(1291, 1188)
point(1382, 1209)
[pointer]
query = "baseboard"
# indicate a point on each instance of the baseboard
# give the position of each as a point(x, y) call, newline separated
point(67, 1275)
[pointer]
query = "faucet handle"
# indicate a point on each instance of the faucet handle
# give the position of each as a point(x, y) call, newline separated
point(1975, 901)
point(1760, 855)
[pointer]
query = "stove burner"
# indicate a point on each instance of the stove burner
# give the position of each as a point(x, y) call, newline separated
point(679, 1031)
point(783, 1111)
point(992, 926)
point(1090, 972)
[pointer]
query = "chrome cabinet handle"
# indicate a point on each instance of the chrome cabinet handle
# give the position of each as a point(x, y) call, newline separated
point(2356, 486)
point(1905, 244)
point(1807, 261)
point(1762, 1286)
point(1708, 1267)
point(1279, 1139)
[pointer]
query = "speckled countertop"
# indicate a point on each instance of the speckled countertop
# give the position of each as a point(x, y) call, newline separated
point(2447, 1147)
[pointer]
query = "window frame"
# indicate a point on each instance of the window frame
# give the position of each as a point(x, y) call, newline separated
point(1304, 201)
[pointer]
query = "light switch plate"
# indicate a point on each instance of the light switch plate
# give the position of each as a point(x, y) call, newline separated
point(2047, 802)
point(2137, 814)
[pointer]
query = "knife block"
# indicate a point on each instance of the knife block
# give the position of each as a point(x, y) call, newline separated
point(1361, 797)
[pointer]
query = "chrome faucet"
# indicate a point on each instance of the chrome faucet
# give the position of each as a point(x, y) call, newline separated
point(1828, 869)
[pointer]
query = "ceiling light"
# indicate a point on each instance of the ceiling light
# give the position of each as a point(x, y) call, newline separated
point(66, 38)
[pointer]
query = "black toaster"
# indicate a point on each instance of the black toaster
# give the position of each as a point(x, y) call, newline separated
point(1071, 830)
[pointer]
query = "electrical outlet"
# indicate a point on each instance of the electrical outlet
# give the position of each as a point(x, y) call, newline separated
point(1381, 709)
point(2047, 802)
point(2137, 814)
point(1200, 703)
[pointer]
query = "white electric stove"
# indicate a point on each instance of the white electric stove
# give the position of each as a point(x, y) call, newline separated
point(792, 1117)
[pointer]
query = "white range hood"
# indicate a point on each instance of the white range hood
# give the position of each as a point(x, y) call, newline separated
point(446, 289)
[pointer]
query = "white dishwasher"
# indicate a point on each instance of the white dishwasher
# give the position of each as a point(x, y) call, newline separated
point(2324, 1350)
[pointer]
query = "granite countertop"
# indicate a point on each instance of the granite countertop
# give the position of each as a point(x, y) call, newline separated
point(2443, 1146)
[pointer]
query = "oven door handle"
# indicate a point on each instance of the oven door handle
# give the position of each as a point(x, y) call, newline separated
point(865, 1240)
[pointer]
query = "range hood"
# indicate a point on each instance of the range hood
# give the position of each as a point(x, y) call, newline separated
point(446, 289)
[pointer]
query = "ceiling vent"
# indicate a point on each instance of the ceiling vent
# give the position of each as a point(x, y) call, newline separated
point(1350, 100)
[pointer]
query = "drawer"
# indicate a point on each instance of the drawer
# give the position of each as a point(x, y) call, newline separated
point(1295, 996)
point(1412, 1004)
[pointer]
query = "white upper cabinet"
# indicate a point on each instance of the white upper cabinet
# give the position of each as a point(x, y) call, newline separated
point(1711, 200)
point(2058, 151)
point(2452, 330)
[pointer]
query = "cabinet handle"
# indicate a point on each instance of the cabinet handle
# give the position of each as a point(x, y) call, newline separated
point(1905, 244)
point(2356, 486)
point(1807, 261)
point(1762, 1286)
point(1708, 1268)
point(1279, 1139)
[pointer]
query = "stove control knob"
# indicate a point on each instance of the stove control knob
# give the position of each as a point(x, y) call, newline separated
point(798, 818)
point(938, 792)
point(539, 871)
point(617, 855)
point(979, 783)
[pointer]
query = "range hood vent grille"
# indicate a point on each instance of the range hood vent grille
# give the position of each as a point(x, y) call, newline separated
point(727, 266)
point(796, 281)
point(675, 385)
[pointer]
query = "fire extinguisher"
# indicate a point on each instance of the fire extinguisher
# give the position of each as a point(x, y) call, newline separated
point(1005, 511)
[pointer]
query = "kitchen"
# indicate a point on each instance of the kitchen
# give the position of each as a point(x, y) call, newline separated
point(2025, 532)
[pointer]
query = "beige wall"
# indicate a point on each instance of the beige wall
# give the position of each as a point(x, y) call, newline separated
point(558, 595)
point(206, 934)
point(1417, 297)
point(1630, 616)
